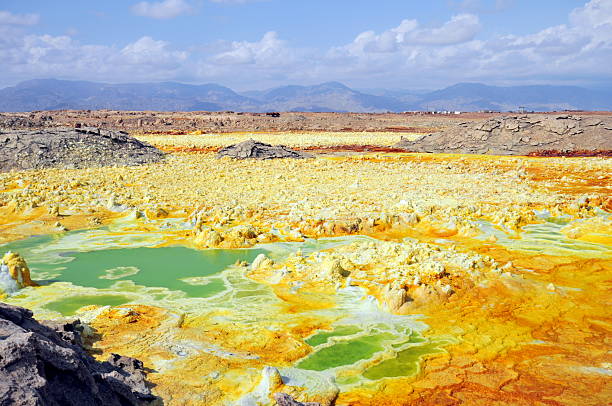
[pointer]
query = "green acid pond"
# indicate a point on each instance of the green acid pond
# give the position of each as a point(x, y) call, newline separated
point(174, 268)
point(108, 268)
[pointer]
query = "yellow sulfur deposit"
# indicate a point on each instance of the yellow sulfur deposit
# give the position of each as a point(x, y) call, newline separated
point(17, 269)
point(352, 279)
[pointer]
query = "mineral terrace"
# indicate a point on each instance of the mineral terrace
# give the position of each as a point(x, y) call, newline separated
point(359, 274)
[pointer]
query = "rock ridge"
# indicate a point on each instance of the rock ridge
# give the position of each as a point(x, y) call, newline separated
point(72, 148)
point(519, 135)
point(44, 363)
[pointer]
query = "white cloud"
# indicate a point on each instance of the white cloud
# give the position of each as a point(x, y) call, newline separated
point(451, 52)
point(581, 48)
point(270, 50)
point(7, 18)
point(42, 56)
point(410, 54)
point(268, 61)
point(596, 14)
point(460, 28)
point(161, 10)
point(147, 51)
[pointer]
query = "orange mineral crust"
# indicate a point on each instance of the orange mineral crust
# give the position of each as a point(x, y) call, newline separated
point(200, 360)
point(410, 279)
point(539, 338)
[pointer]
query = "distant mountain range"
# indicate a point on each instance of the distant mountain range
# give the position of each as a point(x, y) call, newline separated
point(52, 94)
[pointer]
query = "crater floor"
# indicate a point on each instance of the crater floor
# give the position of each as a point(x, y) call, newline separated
point(352, 277)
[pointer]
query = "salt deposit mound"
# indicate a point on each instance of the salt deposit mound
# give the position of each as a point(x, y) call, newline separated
point(258, 150)
point(520, 135)
point(44, 364)
point(72, 148)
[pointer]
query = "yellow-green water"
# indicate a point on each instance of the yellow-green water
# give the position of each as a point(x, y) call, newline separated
point(545, 237)
point(99, 267)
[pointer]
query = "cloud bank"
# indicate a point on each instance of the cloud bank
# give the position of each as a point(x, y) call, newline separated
point(407, 55)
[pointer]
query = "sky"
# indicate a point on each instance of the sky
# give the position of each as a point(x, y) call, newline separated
point(258, 44)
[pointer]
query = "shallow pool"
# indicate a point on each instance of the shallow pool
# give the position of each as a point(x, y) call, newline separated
point(112, 268)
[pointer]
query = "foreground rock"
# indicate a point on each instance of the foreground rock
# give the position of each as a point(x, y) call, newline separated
point(72, 148)
point(521, 135)
point(44, 364)
point(259, 150)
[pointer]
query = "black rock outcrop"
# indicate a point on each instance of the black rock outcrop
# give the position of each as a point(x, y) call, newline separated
point(43, 363)
point(520, 135)
point(72, 148)
point(282, 399)
point(258, 150)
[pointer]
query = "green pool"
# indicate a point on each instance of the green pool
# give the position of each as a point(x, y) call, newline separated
point(106, 268)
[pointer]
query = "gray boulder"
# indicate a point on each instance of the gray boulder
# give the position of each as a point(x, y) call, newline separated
point(282, 399)
point(72, 148)
point(43, 363)
point(252, 149)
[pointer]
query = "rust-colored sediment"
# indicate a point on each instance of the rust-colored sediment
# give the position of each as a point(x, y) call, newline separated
point(189, 150)
point(576, 153)
point(351, 148)
point(521, 342)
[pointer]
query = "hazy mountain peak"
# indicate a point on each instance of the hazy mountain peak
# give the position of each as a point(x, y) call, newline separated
point(50, 94)
point(333, 85)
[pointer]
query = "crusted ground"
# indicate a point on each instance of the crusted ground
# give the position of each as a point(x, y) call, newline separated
point(537, 135)
point(310, 194)
point(529, 326)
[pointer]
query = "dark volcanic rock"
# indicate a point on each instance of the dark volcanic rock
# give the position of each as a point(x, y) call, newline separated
point(259, 150)
point(282, 399)
point(72, 148)
point(519, 135)
point(8, 121)
point(43, 363)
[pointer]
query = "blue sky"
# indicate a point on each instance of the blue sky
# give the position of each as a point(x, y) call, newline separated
point(255, 44)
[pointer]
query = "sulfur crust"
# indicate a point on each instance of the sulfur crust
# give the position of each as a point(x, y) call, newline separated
point(525, 323)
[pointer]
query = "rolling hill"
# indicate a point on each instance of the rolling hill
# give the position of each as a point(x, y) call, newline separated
point(53, 94)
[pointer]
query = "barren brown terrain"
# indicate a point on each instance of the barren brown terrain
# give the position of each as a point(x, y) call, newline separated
point(152, 122)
